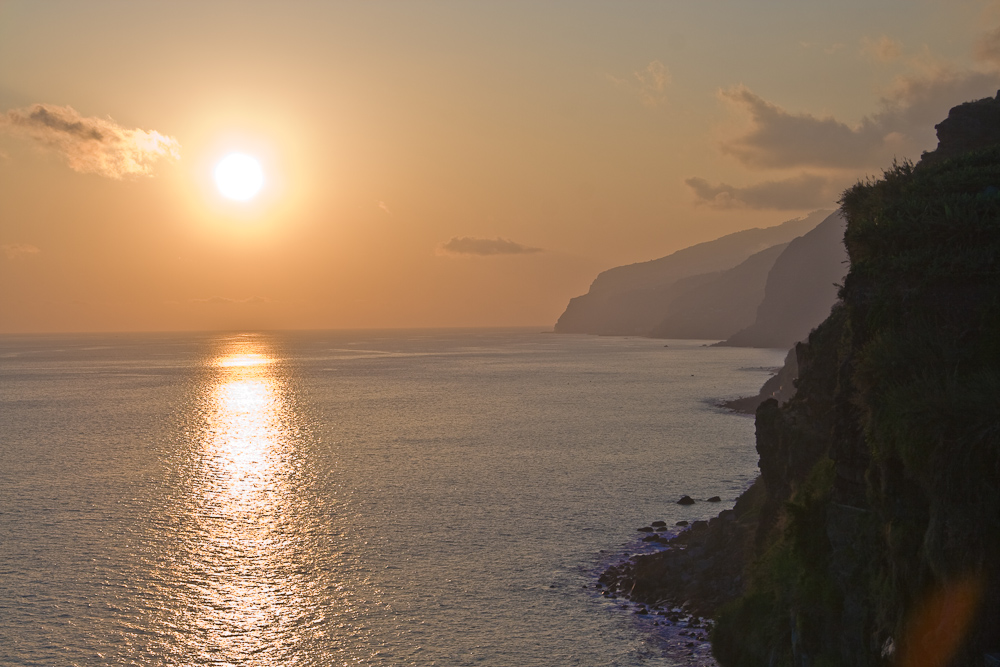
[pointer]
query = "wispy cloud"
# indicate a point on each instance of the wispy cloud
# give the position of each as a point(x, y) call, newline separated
point(650, 83)
point(987, 47)
point(468, 245)
point(882, 50)
point(225, 301)
point(804, 191)
point(19, 250)
point(88, 144)
point(382, 205)
point(653, 81)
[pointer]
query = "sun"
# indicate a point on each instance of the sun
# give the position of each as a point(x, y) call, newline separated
point(239, 176)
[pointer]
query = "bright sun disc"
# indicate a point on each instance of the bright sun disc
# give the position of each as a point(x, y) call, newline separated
point(239, 176)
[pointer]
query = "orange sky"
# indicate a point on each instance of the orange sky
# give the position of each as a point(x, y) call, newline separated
point(401, 140)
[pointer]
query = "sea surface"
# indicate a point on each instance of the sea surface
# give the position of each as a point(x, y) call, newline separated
point(440, 497)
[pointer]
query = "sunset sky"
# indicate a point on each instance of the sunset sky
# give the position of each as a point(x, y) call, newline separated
point(434, 163)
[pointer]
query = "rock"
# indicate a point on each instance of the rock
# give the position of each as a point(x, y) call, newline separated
point(686, 500)
point(658, 524)
point(681, 523)
point(645, 529)
point(715, 499)
point(970, 126)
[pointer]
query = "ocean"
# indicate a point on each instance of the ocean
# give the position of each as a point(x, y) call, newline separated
point(422, 497)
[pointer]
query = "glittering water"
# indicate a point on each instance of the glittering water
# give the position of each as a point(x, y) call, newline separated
point(348, 498)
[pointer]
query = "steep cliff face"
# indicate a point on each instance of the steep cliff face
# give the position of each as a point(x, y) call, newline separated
point(872, 536)
point(633, 299)
point(715, 305)
point(879, 536)
point(800, 288)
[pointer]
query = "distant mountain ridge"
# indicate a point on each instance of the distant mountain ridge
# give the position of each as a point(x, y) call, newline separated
point(715, 305)
point(801, 288)
point(634, 299)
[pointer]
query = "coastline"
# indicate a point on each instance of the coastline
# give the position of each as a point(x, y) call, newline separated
point(679, 589)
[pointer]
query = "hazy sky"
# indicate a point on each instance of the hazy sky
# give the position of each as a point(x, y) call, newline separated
point(434, 163)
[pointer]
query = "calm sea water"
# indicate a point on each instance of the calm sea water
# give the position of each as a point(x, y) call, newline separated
point(349, 498)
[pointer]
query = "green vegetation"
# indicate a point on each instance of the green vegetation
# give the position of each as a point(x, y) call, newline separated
point(883, 472)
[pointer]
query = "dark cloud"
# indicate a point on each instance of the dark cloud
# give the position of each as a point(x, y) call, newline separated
point(806, 191)
point(91, 145)
point(903, 128)
point(468, 245)
point(779, 139)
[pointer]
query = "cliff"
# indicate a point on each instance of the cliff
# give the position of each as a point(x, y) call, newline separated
point(633, 299)
point(714, 305)
point(780, 387)
point(872, 536)
point(801, 287)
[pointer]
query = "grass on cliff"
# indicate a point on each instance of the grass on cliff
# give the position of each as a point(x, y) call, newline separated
point(914, 379)
point(788, 596)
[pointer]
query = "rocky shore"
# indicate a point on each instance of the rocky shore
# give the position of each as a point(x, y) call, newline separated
point(871, 536)
point(699, 569)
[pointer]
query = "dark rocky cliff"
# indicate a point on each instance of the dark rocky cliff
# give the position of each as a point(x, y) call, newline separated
point(872, 536)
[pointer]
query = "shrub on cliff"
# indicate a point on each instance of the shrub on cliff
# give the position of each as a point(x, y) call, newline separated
point(882, 472)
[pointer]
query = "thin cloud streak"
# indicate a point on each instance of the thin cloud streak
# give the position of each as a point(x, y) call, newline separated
point(225, 301)
point(17, 250)
point(88, 144)
point(468, 245)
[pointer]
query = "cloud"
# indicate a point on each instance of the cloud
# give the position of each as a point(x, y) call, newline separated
point(653, 81)
point(779, 139)
point(91, 145)
point(650, 83)
point(903, 127)
point(468, 245)
point(225, 301)
point(987, 47)
point(882, 50)
point(18, 250)
point(805, 191)
point(382, 205)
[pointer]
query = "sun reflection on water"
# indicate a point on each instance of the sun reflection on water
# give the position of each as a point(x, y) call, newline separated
point(247, 591)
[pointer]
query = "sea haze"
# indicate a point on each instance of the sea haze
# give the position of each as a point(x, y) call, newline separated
point(349, 498)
